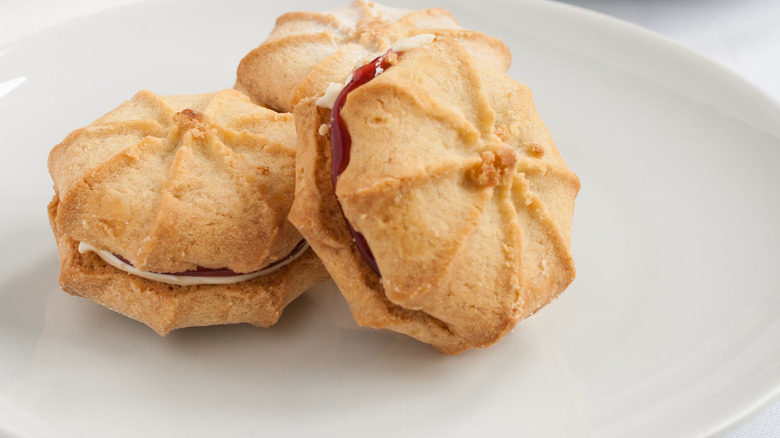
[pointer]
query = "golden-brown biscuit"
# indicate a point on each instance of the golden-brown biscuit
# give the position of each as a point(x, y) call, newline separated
point(194, 187)
point(308, 50)
point(456, 186)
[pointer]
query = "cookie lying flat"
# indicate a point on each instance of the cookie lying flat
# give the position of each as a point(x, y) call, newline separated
point(308, 50)
point(457, 206)
point(172, 210)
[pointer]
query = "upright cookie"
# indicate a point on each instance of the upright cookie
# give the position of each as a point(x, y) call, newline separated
point(172, 210)
point(308, 50)
point(451, 216)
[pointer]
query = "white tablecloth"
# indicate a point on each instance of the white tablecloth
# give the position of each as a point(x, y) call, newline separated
point(742, 35)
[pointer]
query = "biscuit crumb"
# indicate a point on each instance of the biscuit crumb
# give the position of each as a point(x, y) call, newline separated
point(502, 132)
point(323, 130)
point(535, 150)
point(192, 120)
point(392, 58)
point(497, 167)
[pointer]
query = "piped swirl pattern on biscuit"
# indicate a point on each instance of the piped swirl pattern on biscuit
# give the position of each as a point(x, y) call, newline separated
point(308, 50)
point(175, 185)
point(460, 193)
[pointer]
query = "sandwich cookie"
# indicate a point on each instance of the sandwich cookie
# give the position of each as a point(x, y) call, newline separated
point(435, 196)
point(172, 210)
point(308, 50)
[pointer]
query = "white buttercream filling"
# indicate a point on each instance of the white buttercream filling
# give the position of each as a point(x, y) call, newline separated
point(186, 280)
point(331, 93)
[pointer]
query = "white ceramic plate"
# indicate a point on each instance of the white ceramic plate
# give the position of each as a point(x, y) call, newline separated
point(671, 328)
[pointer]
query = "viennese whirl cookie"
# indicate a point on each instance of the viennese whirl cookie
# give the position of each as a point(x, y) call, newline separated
point(435, 196)
point(308, 50)
point(173, 211)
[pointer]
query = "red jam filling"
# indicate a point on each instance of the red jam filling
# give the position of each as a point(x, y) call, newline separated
point(223, 272)
point(341, 142)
